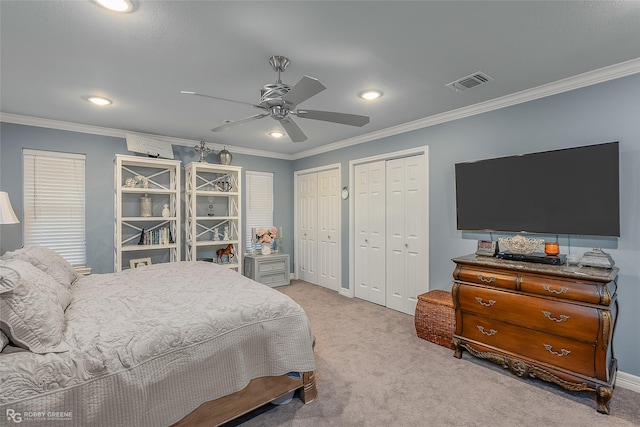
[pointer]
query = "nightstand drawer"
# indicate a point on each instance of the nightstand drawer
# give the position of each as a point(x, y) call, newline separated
point(281, 278)
point(556, 317)
point(265, 267)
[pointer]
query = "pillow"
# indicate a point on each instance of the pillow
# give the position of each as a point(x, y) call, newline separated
point(46, 260)
point(31, 307)
point(4, 340)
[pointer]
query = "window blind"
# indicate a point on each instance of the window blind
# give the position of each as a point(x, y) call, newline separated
point(259, 188)
point(54, 203)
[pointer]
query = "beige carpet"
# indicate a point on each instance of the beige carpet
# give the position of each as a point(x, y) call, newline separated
point(372, 370)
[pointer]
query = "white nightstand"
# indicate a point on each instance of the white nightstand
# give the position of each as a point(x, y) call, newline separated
point(271, 270)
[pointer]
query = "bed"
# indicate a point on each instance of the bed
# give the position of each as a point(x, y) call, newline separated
point(184, 343)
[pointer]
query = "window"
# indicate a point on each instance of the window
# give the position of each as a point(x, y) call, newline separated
point(54, 203)
point(259, 202)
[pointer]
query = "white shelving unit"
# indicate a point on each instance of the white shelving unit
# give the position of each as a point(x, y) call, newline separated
point(213, 195)
point(161, 177)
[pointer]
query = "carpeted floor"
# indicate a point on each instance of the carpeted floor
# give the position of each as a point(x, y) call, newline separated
point(372, 370)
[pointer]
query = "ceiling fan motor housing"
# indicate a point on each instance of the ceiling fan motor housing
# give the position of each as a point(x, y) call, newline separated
point(271, 94)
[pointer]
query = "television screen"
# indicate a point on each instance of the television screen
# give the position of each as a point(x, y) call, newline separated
point(570, 191)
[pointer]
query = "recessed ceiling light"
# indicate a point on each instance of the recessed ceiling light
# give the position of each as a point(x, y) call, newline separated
point(370, 95)
point(116, 5)
point(276, 134)
point(99, 100)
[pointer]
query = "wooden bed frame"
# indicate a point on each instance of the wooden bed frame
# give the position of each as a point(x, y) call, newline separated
point(260, 391)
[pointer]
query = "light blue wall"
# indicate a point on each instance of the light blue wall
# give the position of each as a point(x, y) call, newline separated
point(605, 112)
point(100, 152)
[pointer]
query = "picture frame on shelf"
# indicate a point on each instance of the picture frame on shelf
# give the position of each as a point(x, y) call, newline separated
point(139, 262)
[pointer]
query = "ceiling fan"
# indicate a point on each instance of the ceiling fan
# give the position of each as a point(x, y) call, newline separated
point(280, 101)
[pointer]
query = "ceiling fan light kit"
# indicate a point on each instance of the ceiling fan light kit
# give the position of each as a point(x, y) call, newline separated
point(279, 101)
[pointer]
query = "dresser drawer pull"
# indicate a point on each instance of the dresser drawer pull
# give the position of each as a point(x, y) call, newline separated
point(486, 304)
point(490, 333)
point(486, 279)
point(563, 352)
point(563, 318)
point(553, 291)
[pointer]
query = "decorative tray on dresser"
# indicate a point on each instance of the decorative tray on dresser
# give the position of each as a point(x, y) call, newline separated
point(555, 323)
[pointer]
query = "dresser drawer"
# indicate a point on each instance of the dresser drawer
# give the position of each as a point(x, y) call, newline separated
point(594, 293)
point(266, 267)
point(562, 352)
point(556, 317)
point(486, 277)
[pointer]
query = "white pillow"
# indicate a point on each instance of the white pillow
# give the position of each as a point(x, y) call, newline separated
point(31, 307)
point(46, 260)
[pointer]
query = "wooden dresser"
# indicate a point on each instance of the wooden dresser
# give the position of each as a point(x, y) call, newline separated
point(555, 323)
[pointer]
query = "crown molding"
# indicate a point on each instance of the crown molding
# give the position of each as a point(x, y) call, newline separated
point(600, 75)
point(119, 133)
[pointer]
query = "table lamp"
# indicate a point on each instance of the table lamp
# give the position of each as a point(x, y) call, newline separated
point(7, 216)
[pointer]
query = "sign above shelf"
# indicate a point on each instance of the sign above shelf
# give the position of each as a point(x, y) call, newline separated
point(149, 146)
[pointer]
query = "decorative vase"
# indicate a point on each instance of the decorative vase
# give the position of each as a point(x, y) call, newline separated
point(145, 205)
point(266, 249)
point(224, 157)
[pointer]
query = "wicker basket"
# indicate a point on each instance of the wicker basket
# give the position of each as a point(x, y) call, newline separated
point(435, 318)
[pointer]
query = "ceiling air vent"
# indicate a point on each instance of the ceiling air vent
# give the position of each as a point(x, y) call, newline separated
point(473, 80)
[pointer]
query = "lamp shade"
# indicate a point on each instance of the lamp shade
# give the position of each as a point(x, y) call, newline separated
point(7, 216)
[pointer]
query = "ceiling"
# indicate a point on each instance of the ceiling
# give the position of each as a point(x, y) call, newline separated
point(53, 54)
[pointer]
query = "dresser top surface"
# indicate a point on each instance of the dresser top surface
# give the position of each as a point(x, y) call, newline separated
point(572, 271)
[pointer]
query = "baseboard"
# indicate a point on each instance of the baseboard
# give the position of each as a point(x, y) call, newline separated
point(628, 381)
point(345, 292)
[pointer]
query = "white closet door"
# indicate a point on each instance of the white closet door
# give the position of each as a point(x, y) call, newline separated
point(307, 229)
point(370, 237)
point(329, 229)
point(396, 249)
point(407, 242)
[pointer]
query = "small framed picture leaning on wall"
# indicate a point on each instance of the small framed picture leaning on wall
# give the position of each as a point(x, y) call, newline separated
point(140, 262)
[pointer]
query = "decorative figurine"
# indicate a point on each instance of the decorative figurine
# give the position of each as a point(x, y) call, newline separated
point(228, 251)
point(216, 234)
point(210, 211)
point(143, 180)
point(226, 232)
point(166, 213)
point(203, 151)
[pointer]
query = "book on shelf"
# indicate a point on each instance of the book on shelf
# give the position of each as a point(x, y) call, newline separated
point(157, 236)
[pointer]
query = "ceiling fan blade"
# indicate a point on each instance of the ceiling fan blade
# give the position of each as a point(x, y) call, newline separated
point(303, 90)
point(188, 92)
point(238, 122)
point(294, 132)
point(329, 116)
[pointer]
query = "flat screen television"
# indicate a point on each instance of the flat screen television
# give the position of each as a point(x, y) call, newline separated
point(572, 191)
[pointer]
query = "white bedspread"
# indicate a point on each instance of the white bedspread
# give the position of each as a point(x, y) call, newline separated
point(149, 345)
